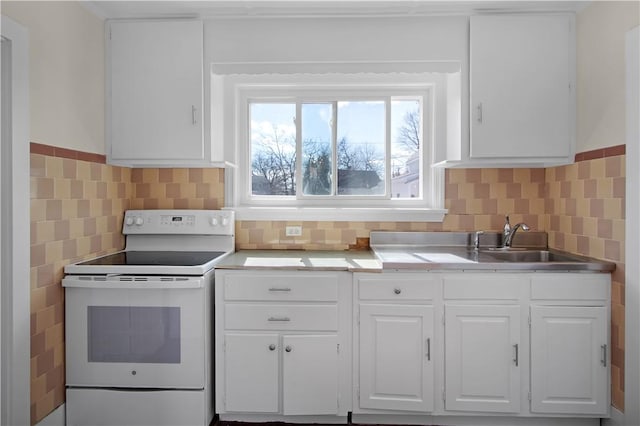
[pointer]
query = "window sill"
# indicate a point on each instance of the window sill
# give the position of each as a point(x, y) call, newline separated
point(340, 214)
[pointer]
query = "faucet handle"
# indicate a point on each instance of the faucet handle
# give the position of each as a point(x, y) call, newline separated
point(476, 239)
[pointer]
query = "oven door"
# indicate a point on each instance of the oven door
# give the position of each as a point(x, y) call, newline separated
point(137, 332)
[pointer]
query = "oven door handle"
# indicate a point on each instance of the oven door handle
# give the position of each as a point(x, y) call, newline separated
point(132, 282)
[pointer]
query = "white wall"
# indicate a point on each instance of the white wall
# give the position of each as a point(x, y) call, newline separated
point(66, 76)
point(601, 30)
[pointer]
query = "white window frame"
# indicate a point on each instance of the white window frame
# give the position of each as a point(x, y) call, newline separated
point(239, 90)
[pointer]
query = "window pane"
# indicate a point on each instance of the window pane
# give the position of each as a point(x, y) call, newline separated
point(273, 149)
point(361, 148)
point(406, 142)
point(316, 149)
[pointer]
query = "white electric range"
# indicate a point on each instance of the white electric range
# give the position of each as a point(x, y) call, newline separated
point(139, 323)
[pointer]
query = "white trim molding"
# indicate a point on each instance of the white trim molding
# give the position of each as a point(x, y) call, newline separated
point(339, 214)
point(15, 323)
point(632, 237)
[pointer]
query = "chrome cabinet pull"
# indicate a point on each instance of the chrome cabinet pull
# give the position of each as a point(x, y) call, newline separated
point(279, 289)
point(429, 349)
point(480, 113)
point(397, 291)
point(279, 319)
point(288, 349)
point(272, 347)
point(515, 360)
point(603, 361)
point(194, 119)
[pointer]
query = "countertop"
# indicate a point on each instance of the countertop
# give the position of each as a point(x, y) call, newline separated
point(352, 261)
point(400, 258)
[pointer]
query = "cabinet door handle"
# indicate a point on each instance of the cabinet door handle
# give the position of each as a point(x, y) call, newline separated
point(515, 360)
point(279, 319)
point(604, 355)
point(397, 291)
point(272, 347)
point(480, 112)
point(428, 349)
point(288, 349)
point(279, 289)
point(194, 118)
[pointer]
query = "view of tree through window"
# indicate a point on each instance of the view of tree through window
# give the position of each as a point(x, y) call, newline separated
point(344, 151)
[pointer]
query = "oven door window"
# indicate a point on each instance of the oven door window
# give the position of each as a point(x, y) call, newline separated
point(134, 334)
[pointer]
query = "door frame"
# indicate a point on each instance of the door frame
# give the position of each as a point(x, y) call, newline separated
point(632, 237)
point(15, 250)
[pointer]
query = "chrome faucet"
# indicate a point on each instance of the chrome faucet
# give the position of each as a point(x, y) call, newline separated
point(510, 231)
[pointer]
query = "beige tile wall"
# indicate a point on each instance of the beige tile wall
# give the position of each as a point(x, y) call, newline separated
point(77, 209)
point(477, 199)
point(76, 213)
point(586, 215)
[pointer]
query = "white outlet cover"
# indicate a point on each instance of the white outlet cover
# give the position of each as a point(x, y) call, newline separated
point(293, 231)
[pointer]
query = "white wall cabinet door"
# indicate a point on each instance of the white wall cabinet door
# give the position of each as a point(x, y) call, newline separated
point(155, 92)
point(482, 345)
point(396, 357)
point(310, 374)
point(569, 360)
point(522, 74)
point(251, 373)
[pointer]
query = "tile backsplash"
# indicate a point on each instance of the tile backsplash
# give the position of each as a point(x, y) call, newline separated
point(77, 205)
point(77, 208)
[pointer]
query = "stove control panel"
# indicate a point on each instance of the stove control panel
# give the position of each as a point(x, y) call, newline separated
point(179, 222)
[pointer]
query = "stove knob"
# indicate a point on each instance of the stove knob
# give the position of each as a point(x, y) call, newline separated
point(139, 221)
point(213, 221)
point(225, 221)
point(129, 221)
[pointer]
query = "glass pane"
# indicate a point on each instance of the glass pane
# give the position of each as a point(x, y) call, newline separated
point(361, 148)
point(406, 142)
point(316, 149)
point(273, 149)
point(136, 334)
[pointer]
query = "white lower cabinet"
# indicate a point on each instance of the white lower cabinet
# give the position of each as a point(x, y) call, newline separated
point(396, 367)
point(481, 348)
point(309, 374)
point(282, 345)
point(251, 375)
point(482, 358)
point(397, 342)
point(569, 359)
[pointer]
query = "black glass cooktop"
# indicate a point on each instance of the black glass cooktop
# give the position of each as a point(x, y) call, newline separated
point(162, 258)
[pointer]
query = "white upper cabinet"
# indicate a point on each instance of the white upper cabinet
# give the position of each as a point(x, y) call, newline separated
point(155, 93)
point(522, 85)
point(522, 92)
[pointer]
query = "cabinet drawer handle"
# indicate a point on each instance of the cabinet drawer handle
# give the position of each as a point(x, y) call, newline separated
point(515, 360)
point(288, 349)
point(604, 355)
point(194, 119)
point(279, 319)
point(279, 289)
point(397, 291)
point(428, 349)
point(480, 113)
point(272, 347)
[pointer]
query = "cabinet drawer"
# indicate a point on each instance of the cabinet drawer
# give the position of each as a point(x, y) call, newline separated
point(399, 288)
point(484, 286)
point(285, 287)
point(571, 287)
point(281, 317)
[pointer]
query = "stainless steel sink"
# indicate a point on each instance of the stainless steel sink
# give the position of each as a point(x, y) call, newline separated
point(530, 256)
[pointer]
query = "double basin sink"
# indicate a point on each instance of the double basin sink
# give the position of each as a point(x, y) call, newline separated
point(454, 251)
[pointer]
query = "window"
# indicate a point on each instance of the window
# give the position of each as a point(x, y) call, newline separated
point(315, 149)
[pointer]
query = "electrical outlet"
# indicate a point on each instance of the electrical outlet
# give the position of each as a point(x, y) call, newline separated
point(293, 231)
